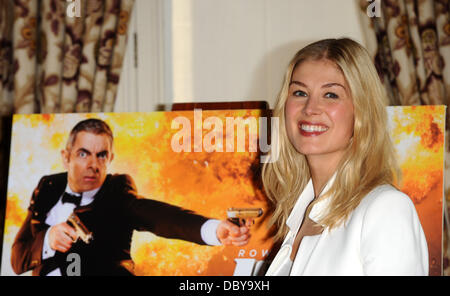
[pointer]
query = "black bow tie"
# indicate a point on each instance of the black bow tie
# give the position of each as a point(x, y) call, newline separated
point(72, 198)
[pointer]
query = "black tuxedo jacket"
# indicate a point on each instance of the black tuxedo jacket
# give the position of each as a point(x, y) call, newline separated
point(116, 211)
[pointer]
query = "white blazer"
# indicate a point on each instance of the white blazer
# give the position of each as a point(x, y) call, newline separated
point(382, 236)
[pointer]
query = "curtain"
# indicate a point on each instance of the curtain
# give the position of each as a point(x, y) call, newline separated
point(58, 56)
point(61, 56)
point(409, 41)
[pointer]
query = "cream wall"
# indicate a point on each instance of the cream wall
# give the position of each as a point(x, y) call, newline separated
point(229, 50)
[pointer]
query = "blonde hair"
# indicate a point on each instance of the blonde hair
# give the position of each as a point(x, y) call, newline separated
point(370, 158)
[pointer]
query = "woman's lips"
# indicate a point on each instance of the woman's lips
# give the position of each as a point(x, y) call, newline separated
point(309, 129)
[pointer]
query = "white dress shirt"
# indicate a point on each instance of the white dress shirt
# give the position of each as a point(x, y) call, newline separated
point(382, 236)
point(61, 212)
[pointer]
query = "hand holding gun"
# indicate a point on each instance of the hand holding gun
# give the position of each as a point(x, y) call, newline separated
point(242, 216)
point(63, 235)
point(80, 228)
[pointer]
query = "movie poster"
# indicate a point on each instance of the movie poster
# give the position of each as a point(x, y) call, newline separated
point(418, 134)
point(208, 162)
point(148, 147)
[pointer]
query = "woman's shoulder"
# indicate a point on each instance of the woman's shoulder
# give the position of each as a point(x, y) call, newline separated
point(391, 237)
point(387, 201)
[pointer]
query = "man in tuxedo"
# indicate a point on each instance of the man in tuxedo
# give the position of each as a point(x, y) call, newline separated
point(109, 207)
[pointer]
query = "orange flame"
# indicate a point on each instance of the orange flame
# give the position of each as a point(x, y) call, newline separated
point(421, 131)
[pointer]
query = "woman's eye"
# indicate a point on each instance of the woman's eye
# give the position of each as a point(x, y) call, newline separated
point(299, 93)
point(331, 95)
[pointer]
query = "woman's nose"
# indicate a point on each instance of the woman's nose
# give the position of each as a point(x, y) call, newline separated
point(312, 106)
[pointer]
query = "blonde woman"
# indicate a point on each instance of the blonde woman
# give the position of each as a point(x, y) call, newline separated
point(336, 210)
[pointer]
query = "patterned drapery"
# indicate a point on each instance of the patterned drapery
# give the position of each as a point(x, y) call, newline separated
point(58, 56)
point(410, 44)
point(61, 56)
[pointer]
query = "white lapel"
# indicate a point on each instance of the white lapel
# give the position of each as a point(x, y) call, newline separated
point(321, 206)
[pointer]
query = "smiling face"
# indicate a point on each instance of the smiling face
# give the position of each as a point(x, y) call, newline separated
point(87, 161)
point(319, 111)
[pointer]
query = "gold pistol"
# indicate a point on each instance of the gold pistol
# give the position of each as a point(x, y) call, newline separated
point(80, 228)
point(237, 215)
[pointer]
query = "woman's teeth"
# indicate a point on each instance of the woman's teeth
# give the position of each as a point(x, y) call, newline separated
point(313, 128)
